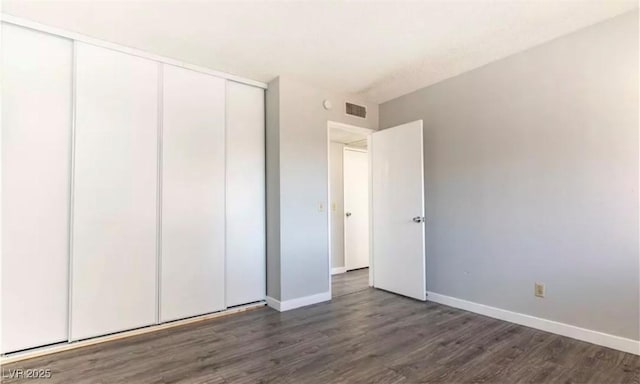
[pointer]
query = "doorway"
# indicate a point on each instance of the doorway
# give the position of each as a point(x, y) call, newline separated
point(391, 185)
point(348, 207)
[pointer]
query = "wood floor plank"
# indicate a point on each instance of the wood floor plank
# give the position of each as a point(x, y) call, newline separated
point(349, 282)
point(362, 336)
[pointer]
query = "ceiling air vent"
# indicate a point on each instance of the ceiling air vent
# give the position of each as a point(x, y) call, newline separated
point(356, 110)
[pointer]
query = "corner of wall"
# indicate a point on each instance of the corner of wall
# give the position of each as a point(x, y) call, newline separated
point(272, 138)
point(298, 265)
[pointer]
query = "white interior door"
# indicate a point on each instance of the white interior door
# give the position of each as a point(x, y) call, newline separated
point(397, 183)
point(246, 225)
point(36, 153)
point(115, 207)
point(193, 194)
point(356, 208)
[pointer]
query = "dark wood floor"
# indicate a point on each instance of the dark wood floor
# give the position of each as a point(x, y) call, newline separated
point(367, 336)
point(350, 282)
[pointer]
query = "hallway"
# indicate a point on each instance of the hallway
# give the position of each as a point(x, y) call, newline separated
point(349, 282)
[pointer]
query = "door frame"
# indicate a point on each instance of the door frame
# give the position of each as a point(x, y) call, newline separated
point(354, 129)
point(371, 263)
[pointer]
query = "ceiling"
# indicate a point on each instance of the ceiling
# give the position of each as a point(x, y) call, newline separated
point(348, 137)
point(381, 50)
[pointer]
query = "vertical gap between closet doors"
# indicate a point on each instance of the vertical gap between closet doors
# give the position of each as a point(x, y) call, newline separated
point(159, 193)
point(226, 184)
point(72, 156)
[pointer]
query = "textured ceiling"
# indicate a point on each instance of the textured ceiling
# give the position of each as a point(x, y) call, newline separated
point(354, 139)
point(379, 49)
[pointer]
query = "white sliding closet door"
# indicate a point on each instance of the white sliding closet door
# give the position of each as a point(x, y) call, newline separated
point(245, 194)
point(193, 194)
point(115, 192)
point(36, 153)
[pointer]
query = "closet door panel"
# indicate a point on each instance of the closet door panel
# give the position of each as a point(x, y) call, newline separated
point(245, 194)
point(36, 153)
point(115, 193)
point(193, 194)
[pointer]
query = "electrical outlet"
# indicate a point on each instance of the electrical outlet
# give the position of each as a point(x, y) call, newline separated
point(538, 290)
point(320, 206)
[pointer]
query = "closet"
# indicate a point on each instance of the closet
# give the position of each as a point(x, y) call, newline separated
point(36, 156)
point(132, 189)
point(115, 183)
point(246, 217)
point(193, 194)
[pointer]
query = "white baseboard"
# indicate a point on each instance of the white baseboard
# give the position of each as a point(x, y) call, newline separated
point(572, 331)
point(287, 305)
point(273, 303)
point(338, 270)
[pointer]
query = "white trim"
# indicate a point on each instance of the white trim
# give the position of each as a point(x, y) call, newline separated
point(287, 305)
point(273, 303)
point(121, 48)
point(72, 172)
point(369, 152)
point(338, 270)
point(353, 129)
point(329, 209)
point(226, 183)
point(572, 331)
point(354, 149)
point(11, 358)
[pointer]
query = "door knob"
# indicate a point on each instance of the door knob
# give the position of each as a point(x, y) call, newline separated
point(348, 214)
point(418, 219)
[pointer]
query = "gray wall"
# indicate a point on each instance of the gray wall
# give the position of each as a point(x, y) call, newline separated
point(272, 142)
point(531, 175)
point(298, 183)
point(336, 205)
